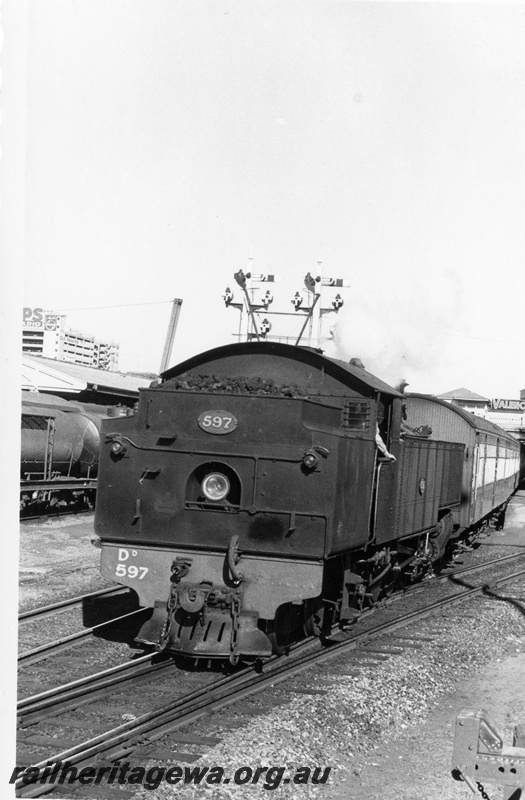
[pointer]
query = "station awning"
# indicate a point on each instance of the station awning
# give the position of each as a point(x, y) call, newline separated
point(41, 377)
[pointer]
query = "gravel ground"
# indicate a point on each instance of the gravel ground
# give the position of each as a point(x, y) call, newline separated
point(57, 560)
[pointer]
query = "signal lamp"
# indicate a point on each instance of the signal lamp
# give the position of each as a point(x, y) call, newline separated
point(267, 299)
point(297, 300)
point(266, 327)
point(215, 486)
point(228, 296)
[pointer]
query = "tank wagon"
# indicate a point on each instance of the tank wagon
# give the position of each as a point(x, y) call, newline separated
point(248, 498)
point(60, 443)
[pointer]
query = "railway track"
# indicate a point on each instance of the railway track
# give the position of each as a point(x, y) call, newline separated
point(84, 690)
point(74, 639)
point(41, 612)
point(356, 645)
point(77, 638)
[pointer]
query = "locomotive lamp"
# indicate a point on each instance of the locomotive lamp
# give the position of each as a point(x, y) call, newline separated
point(310, 460)
point(117, 446)
point(215, 486)
point(311, 457)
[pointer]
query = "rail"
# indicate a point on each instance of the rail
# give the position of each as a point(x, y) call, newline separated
point(65, 605)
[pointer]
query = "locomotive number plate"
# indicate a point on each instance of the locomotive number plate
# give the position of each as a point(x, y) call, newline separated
point(217, 422)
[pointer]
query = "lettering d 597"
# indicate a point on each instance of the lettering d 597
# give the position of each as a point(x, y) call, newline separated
point(124, 569)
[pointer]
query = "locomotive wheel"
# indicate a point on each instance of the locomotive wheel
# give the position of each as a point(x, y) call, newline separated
point(278, 649)
point(316, 618)
point(285, 627)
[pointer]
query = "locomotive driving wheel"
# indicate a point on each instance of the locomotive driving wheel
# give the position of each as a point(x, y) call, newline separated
point(285, 628)
point(318, 617)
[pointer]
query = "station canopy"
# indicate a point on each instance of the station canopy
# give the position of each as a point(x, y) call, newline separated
point(86, 384)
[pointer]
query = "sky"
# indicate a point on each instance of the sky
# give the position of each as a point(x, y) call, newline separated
point(164, 145)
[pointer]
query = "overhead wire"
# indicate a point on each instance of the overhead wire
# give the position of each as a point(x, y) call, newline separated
point(98, 308)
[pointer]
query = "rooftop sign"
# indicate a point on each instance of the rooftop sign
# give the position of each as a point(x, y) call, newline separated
point(33, 317)
point(499, 404)
point(37, 318)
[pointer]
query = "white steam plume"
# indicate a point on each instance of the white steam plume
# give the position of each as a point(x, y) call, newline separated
point(402, 332)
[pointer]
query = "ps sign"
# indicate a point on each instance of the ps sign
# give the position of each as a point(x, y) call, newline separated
point(33, 317)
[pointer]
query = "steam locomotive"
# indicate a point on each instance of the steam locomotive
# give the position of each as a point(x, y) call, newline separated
point(248, 498)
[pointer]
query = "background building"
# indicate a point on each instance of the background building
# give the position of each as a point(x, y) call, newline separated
point(467, 400)
point(45, 334)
